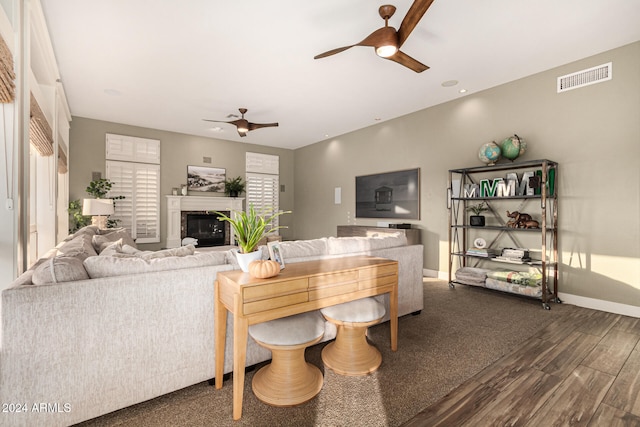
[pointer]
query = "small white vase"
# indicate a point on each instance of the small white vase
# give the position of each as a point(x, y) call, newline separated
point(245, 259)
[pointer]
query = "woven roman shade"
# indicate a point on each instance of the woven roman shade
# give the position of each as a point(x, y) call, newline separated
point(7, 75)
point(40, 133)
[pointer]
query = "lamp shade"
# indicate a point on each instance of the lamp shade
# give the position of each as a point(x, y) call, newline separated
point(97, 207)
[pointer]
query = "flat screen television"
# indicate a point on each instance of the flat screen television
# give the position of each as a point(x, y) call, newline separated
point(389, 195)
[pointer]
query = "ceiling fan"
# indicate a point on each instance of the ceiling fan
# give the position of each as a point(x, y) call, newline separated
point(387, 41)
point(243, 124)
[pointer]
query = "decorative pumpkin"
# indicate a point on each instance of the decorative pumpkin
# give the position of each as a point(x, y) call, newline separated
point(262, 269)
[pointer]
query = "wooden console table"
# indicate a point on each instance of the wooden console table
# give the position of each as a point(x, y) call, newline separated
point(300, 287)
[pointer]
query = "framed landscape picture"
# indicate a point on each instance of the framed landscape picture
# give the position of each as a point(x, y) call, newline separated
point(389, 195)
point(202, 178)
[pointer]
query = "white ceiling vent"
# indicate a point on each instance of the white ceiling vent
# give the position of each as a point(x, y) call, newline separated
point(583, 78)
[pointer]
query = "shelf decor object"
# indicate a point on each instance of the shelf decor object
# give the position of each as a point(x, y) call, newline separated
point(525, 244)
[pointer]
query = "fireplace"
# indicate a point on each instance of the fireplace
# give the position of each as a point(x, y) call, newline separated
point(206, 227)
point(177, 205)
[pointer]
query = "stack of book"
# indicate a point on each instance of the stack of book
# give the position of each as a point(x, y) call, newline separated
point(482, 252)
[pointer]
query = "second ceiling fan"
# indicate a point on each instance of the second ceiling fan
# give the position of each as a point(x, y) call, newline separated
point(243, 125)
point(387, 41)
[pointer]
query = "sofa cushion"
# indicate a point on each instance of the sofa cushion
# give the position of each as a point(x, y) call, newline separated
point(112, 248)
point(79, 246)
point(350, 245)
point(60, 269)
point(101, 241)
point(88, 230)
point(120, 266)
point(164, 253)
point(303, 248)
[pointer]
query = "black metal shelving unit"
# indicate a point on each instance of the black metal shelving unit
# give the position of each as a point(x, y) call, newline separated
point(542, 206)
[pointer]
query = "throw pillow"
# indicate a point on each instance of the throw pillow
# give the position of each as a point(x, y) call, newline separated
point(79, 246)
point(101, 241)
point(112, 248)
point(59, 269)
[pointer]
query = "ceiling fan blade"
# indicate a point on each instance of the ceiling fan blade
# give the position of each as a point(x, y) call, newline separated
point(413, 16)
point(214, 121)
point(374, 39)
point(333, 51)
point(404, 59)
point(253, 126)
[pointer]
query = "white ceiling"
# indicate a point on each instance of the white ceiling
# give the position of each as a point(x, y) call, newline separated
point(168, 64)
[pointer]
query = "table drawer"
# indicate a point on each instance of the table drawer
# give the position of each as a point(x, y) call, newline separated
point(382, 270)
point(274, 289)
point(329, 291)
point(377, 281)
point(332, 279)
point(273, 303)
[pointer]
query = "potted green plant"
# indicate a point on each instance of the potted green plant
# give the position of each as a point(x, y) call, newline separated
point(249, 228)
point(233, 187)
point(477, 220)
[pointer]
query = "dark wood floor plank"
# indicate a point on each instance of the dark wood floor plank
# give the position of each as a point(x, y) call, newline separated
point(575, 400)
point(611, 417)
point(518, 402)
point(628, 324)
point(456, 407)
point(567, 355)
point(612, 351)
point(558, 331)
point(505, 371)
point(599, 323)
point(625, 391)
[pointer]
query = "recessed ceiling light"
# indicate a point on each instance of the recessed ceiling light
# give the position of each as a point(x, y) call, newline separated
point(216, 129)
point(449, 83)
point(462, 91)
point(112, 92)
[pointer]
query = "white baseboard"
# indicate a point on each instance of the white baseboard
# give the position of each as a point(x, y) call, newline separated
point(602, 305)
point(435, 274)
point(595, 304)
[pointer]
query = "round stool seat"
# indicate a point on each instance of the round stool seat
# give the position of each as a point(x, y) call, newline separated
point(351, 354)
point(358, 311)
point(288, 380)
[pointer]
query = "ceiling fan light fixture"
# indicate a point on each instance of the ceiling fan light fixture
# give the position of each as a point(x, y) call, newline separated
point(386, 51)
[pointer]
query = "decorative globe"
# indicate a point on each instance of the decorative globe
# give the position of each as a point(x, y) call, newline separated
point(513, 147)
point(489, 153)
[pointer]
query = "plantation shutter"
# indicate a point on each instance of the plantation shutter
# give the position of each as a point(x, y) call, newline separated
point(133, 167)
point(263, 182)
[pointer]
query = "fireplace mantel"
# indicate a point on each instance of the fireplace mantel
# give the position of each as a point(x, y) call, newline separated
point(177, 204)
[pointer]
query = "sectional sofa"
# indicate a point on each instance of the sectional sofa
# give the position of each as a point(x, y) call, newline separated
point(97, 325)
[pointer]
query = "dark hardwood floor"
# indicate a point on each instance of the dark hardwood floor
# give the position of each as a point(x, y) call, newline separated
point(583, 370)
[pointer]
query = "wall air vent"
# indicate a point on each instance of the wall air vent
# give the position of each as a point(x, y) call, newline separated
point(583, 78)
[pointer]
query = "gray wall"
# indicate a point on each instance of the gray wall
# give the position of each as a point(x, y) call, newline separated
point(87, 154)
point(593, 132)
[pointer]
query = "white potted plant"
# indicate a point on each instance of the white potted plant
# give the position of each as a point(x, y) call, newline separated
point(249, 228)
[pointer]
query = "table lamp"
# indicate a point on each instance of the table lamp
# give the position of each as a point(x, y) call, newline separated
point(99, 209)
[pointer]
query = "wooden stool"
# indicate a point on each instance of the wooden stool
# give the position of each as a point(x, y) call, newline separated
point(288, 380)
point(350, 353)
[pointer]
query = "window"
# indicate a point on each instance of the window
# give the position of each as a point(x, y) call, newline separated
point(138, 181)
point(263, 182)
